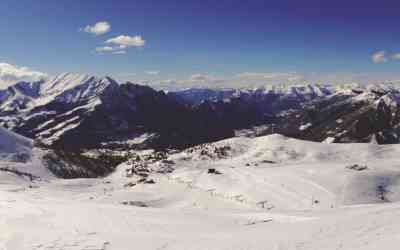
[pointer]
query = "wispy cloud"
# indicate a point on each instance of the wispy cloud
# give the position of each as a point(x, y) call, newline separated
point(105, 49)
point(120, 44)
point(110, 50)
point(200, 77)
point(249, 80)
point(396, 56)
point(271, 76)
point(383, 57)
point(119, 52)
point(10, 74)
point(152, 73)
point(199, 80)
point(127, 41)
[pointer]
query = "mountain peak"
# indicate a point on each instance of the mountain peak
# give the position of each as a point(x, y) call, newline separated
point(66, 88)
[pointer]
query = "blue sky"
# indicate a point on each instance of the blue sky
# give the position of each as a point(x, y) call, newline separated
point(210, 41)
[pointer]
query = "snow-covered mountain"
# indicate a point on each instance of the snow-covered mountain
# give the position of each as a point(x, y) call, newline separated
point(362, 115)
point(196, 96)
point(86, 111)
point(47, 109)
point(66, 87)
point(81, 111)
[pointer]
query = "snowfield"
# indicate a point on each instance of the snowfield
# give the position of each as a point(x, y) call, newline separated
point(268, 192)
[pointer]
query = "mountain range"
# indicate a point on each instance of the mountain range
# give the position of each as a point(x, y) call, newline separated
point(78, 112)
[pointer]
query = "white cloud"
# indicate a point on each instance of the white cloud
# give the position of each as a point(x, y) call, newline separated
point(153, 73)
point(200, 77)
point(127, 41)
point(382, 57)
point(119, 45)
point(10, 74)
point(194, 81)
point(98, 29)
point(396, 56)
point(379, 57)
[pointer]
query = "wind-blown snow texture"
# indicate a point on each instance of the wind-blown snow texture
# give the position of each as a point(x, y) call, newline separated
point(270, 192)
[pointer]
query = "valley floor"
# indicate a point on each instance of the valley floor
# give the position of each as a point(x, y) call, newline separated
point(271, 193)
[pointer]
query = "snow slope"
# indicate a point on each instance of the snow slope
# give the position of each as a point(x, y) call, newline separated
point(286, 173)
point(20, 162)
point(271, 193)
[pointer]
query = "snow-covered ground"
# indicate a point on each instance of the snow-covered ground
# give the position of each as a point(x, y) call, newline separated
point(243, 193)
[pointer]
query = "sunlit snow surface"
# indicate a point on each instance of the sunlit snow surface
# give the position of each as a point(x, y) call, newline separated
point(272, 193)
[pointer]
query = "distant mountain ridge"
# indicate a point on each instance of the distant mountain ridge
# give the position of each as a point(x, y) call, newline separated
point(364, 115)
point(197, 96)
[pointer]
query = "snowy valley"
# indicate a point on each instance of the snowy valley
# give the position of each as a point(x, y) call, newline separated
point(269, 192)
